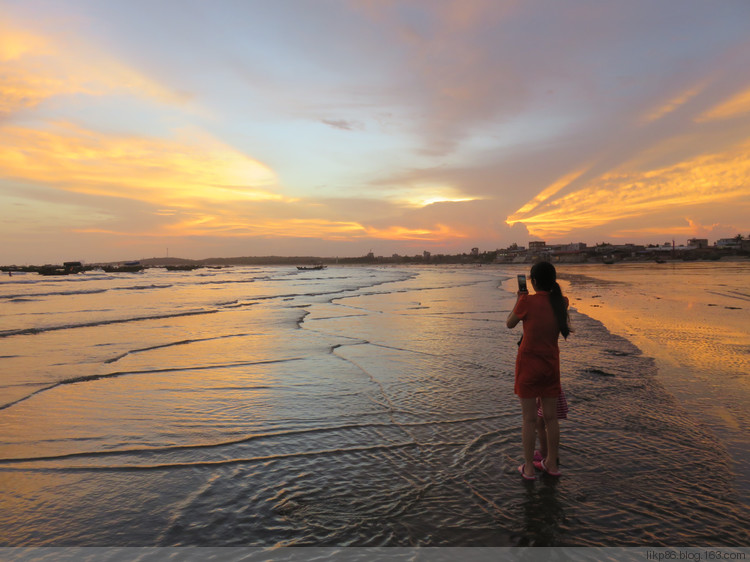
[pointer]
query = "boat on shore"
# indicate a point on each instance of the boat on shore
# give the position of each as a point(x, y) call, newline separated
point(67, 268)
point(127, 267)
point(184, 267)
point(53, 270)
point(311, 267)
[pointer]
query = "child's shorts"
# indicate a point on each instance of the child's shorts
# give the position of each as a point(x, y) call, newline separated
point(562, 407)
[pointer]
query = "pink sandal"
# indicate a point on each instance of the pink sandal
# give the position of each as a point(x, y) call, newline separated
point(544, 468)
point(522, 470)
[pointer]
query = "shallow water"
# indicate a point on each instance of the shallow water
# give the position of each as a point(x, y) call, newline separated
point(350, 406)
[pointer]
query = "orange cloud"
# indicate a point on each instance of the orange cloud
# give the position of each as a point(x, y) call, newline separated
point(21, 86)
point(308, 228)
point(225, 224)
point(546, 194)
point(692, 229)
point(735, 106)
point(36, 68)
point(194, 167)
point(230, 225)
point(673, 104)
point(688, 230)
point(195, 183)
point(440, 232)
point(15, 43)
point(627, 194)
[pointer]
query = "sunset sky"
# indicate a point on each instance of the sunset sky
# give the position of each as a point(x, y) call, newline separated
point(129, 129)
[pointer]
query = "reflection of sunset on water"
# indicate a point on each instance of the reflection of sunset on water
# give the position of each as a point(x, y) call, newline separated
point(691, 318)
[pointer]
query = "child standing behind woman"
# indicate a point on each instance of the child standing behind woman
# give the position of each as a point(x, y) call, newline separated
point(544, 316)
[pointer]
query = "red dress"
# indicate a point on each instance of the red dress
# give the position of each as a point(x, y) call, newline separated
point(538, 360)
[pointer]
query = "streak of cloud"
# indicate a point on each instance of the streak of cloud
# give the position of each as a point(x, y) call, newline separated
point(161, 172)
point(343, 124)
point(713, 178)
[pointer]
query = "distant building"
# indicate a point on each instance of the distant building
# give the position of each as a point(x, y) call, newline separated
point(537, 246)
point(700, 243)
point(728, 243)
point(569, 248)
point(475, 252)
point(426, 255)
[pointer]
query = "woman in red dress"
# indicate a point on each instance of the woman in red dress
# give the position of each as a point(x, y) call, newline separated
point(544, 316)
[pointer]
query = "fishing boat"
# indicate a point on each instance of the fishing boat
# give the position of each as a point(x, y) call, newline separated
point(185, 267)
point(53, 270)
point(68, 268)
point(127, 267)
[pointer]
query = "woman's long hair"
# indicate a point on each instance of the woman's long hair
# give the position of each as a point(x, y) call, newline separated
point(545, 277)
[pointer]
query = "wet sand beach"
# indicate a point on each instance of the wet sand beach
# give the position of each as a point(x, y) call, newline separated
point(353, 406)
point(693, 320)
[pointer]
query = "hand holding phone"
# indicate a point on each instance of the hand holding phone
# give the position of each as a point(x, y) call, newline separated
point(522, 284)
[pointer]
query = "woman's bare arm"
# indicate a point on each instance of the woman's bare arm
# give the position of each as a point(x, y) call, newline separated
point(513, 320)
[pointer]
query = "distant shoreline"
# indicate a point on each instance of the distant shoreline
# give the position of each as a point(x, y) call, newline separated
point(460, 259)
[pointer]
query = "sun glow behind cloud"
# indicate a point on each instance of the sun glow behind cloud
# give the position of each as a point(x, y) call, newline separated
point(424, 195)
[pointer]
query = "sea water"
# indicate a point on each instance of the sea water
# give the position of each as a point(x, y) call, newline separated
point(353, 406)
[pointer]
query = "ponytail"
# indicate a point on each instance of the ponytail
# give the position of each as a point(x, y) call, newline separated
point(560, 310)
point(546, 277)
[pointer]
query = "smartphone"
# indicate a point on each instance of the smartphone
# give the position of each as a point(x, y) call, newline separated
point(522, 283)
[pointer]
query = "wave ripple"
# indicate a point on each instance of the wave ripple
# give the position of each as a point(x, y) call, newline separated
point(355, 407)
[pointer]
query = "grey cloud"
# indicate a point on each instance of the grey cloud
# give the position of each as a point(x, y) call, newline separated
point(343, 124)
